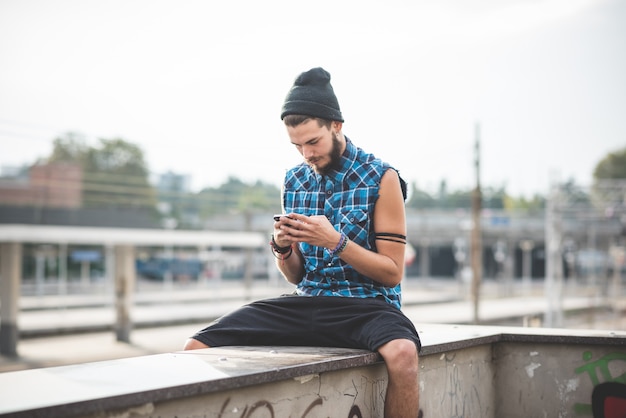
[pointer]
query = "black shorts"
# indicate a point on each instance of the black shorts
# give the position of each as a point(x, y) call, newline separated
point(318, 321)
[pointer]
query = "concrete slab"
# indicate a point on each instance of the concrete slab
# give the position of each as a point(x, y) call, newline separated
point(211, 377)
point(99, 385)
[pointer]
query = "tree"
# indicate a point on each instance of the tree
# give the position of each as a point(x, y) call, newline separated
point(609, 185)
point(494, 198)
point(419, 199)
point(114, 173)
point(458, 199)
point(259, 197)
point(536, 203)
point(236, 196)
point(613, 166)
point(70, 148)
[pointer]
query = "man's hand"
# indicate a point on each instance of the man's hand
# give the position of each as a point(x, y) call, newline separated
point(314, 230)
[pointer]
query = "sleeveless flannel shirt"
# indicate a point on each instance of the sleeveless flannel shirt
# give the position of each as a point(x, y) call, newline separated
point(347, 198)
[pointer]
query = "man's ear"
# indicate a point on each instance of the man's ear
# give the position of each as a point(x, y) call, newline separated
point(337, 126)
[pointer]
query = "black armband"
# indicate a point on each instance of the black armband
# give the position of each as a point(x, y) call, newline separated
point(388, 236)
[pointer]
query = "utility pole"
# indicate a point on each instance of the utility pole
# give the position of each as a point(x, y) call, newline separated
point(476, 241)
point(554, 263)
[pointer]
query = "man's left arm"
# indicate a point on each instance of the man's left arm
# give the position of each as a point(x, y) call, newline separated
point(386, 265)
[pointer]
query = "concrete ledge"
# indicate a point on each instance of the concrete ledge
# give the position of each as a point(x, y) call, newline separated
point(481, 371)
point(100, 387)
point(439, 338)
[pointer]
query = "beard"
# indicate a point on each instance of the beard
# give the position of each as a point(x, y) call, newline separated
point(335, 159)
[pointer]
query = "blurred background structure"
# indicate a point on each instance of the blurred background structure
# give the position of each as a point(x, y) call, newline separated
point(583, 227)
point(108, 246)
point(575, 234)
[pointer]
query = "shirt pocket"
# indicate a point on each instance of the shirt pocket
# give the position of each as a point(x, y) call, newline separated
point(355, 224)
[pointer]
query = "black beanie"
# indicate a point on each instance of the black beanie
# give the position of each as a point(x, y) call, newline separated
point(312, 95)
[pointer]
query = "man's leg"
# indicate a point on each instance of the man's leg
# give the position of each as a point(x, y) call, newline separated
point(192, 344)
point(402, 400)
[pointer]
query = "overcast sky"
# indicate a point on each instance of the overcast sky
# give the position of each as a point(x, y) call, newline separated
point(198, 85)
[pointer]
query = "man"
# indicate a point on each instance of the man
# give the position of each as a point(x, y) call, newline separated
point(341, 242)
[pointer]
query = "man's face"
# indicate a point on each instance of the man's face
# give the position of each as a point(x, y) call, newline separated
point(320, 146)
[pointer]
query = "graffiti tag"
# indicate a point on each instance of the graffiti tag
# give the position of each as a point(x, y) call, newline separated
point(264, 408)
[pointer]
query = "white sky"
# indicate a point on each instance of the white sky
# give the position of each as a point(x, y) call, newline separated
point(199, 84)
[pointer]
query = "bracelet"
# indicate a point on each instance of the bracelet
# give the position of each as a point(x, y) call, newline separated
point(278, 249)
point(341, 245)
point(279, 252)
point(283, 256)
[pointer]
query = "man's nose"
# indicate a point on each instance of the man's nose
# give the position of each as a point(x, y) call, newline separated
point(307, 152)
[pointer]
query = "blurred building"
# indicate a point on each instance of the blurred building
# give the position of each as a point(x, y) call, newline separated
point(171, 182)
point(58, 185)
point(52, 194)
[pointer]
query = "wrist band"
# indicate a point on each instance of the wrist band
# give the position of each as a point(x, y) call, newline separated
point(283, 256)
point(279, 252)
point(278, 249)
point(341, 245)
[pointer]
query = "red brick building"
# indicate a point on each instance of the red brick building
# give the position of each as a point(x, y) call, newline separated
point(56, 185)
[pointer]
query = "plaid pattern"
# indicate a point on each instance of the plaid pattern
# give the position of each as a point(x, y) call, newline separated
point(347, 198)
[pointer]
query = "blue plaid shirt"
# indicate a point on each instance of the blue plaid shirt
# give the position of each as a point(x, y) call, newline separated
point(347, 198)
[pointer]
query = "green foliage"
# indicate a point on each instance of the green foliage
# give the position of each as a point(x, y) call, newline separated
point(114, 173)
point(494, 198)
point(419, 199)
point(117, 175)
point(613, 166)
point(535, 203)
point(458, 199)
point(70, 148)
point(574, 193)
point(236, 196)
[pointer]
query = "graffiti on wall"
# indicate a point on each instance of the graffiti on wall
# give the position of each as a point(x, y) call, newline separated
point(610, 368)
point(264, 408)
point(457, 398)
point(355, 398)
point(609, 400)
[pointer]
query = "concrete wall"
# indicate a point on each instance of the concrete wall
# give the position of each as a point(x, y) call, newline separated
point(492, 374)
point(459, 383)
point(553, 380)
point(518, 380)
point(351, 393)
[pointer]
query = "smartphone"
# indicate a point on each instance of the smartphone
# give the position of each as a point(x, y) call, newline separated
point(277, 217)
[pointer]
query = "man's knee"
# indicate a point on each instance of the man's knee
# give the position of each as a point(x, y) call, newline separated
point(400, 355)
point(192, 344)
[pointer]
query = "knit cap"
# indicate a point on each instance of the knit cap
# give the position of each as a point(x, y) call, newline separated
point(312, 95)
